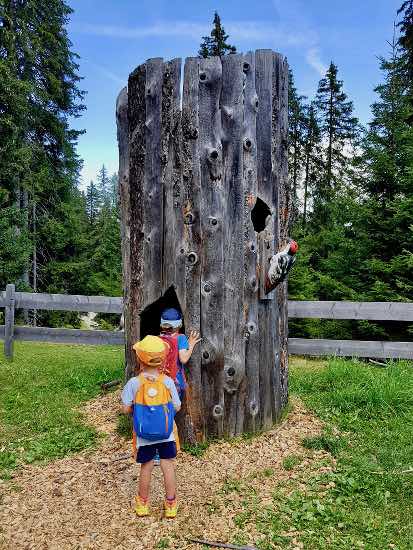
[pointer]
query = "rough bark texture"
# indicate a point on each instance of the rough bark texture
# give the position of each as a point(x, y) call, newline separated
point(123, 143)
point(193, 410)
point(194, 178)
point(252, 358)
point(285, 212)
point(212, 249)
point(268, 346)
point(137, 153)
point(232, 99)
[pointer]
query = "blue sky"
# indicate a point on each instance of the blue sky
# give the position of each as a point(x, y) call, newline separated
point(112, 37)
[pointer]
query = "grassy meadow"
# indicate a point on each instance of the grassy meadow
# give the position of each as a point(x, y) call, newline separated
point(365, 501)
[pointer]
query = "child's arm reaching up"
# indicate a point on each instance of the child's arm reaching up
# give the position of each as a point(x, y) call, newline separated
point(185, 354)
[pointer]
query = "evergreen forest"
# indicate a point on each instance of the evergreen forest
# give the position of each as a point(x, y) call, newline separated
point(351, 186)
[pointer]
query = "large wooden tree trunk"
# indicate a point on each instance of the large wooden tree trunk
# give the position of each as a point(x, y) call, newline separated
point(194, 179)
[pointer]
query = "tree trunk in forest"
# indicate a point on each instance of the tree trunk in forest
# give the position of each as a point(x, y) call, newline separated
point(34, 268)
point(330, 145)
point(25, 277)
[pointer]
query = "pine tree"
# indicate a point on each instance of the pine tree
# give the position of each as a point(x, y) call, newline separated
point(388, 208)
point(216, 44)
point(406, 45)
point(14, 244)
point(114, 190)
point(312, 155)
point(38, 155)
point(296, 136)
point(104, 186)
point(92, 202)
point(339, 131)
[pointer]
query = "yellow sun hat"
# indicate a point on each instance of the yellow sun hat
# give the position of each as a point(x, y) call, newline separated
point(151, 351)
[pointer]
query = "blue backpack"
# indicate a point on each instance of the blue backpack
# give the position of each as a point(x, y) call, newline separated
point(153, 410)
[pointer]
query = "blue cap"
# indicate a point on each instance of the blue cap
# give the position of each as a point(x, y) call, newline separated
point(171, 314)
point(171, 317)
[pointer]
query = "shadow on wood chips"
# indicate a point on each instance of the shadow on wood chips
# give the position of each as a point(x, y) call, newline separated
point(85, 501)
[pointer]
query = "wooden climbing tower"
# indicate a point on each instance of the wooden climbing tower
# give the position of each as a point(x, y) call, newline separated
point(204, 201)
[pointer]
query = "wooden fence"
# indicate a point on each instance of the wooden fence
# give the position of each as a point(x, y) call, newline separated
point(372, 311)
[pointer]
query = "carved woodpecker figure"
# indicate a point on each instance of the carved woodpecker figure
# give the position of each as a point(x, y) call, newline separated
point(280, 265)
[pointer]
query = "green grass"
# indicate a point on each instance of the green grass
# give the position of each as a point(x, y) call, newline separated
point(41, 391)
point(291, 461)
point(367, 500)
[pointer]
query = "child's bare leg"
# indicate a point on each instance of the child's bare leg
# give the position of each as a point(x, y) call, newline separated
point(168, 470)
point(145, 479)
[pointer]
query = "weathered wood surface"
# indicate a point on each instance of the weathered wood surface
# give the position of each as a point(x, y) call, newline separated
point(174, 259)
point(232, 114)
point(252, 378)
point(194, 423)
point(297, 346)
point(212, 260)
point(371, 311)
point(124, 202)
point(152, 199)
point(69, 336)
point(265, 184)
point(65, 302)
point(283, 197)
point(223, 153)
point(351, 348)
point(9, 322)
point(137, 156)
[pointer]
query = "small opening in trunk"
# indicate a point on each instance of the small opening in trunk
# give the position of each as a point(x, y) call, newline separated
point(259, 215)
point(151, 315)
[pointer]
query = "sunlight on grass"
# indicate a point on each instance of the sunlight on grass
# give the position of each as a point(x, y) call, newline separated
point(40, 392)
point(367, 501)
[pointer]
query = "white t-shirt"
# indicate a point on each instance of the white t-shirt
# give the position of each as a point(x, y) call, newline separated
point(128, 398)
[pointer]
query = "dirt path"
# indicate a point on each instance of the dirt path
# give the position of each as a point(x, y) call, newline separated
point(84, 501)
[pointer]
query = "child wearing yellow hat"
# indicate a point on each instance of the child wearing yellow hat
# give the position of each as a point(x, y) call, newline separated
point(144, 391)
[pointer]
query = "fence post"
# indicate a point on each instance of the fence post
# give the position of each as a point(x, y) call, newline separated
point(9, 321)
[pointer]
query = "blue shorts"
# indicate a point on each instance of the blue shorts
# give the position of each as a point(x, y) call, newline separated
point(166, 450)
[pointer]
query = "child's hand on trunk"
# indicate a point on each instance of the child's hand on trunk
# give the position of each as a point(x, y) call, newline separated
point(194, 339)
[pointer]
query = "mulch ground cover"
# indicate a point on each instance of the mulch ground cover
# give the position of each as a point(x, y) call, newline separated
point(84, 501)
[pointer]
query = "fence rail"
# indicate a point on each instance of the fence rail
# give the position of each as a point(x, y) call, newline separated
point(351, 348)
point(372, 311)
point(368, 311)
point(64, 302)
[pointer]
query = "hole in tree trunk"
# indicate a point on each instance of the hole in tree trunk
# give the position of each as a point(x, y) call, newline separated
point(151, 315)
point(259, 215)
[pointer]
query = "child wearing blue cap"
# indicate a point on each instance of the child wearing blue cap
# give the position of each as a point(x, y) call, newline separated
point(181, 346)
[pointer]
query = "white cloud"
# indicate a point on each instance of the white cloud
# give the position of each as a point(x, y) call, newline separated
point(293, 15)
point(257, 31)
point(314, 60)
point(108, 74)
point(293, 28)
point(177, 28)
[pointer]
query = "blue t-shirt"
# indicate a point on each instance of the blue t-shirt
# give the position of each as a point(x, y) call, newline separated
point(180, 377)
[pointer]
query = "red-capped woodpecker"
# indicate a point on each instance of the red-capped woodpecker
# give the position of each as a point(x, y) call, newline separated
point(280, 265)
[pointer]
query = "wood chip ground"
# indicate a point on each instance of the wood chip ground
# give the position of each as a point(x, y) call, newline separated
point(85, 501)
